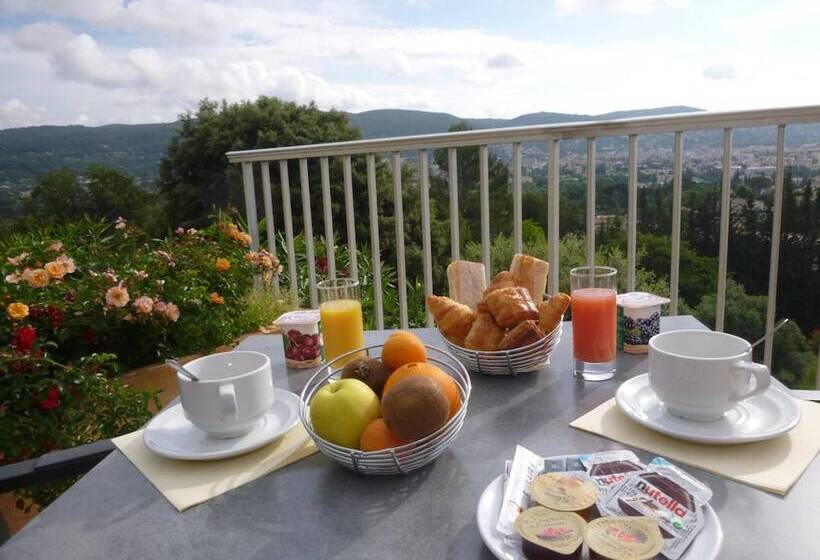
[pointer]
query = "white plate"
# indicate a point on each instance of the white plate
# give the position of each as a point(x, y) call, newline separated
point(705, 546)
point(171, 435)
point(764, 416)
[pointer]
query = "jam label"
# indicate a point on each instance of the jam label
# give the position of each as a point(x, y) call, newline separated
point(624, 537)
point(555, 530)
point(565, 491)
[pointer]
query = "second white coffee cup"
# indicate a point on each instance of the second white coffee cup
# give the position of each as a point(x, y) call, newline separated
point(234, 392)
point(700, 375)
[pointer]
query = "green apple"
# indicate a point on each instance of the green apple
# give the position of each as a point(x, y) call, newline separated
point(339, 411)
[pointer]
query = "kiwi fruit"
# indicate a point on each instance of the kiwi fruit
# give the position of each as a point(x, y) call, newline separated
point(415, 407)
point(369, 370)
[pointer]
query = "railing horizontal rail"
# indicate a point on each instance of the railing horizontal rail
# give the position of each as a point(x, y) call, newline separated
point(562, 131)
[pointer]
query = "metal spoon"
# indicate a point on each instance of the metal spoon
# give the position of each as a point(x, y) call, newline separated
point(181, 369)
point(774, 330)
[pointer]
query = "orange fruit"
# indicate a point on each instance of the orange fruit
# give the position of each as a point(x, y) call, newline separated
point(377, 435)
point(402, 348)
point(447, 384)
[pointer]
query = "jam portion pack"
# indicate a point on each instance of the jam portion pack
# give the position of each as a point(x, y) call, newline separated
point(625, 487)
point(666, 494)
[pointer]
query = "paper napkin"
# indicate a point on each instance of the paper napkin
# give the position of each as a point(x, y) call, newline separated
point(188, 483)
point(773, 465)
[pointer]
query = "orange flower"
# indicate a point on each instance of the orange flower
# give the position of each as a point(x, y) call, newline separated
point(36, 277)
point(222, 264)
point(117, 296)
point(217, 299)
point(17, 311)
point(244, 239)
point(56, 270)
point(67, 262)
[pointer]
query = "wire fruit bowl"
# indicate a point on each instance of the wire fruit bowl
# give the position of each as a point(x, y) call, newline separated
point(510, 362)
point(396, 460)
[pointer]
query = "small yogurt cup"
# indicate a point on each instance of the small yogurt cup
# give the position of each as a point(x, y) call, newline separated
point(301, 338)
point(641, 321)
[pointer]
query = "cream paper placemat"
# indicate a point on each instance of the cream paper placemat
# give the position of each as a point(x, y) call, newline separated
point(188, 483)
point(772, 465)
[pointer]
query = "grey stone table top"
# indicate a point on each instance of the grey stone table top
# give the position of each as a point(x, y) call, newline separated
point(316, 509)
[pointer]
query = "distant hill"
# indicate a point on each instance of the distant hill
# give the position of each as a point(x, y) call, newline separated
point(27, 153)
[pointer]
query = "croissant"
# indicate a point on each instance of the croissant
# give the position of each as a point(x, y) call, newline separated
point(551, 310)
point(526, 332)
point(485, 333)
point(510, 306)
point(454, 319)
point(504, 279)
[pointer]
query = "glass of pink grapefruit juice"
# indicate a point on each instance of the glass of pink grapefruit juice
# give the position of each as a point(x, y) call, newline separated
point(594, 312)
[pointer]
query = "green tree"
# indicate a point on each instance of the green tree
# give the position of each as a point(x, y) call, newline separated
point(57, 198)
point(195, 176)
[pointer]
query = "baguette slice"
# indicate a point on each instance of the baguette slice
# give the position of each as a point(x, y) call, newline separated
point(467, 282)
point(531, 273)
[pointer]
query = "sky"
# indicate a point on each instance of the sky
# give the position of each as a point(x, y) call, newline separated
point(96, 62)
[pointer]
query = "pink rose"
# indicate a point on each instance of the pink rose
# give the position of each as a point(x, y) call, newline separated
point(172, 312)
point(117, 296)
point(160, 307)
point(144, 305)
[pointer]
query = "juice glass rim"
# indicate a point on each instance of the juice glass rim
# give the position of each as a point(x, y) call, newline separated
point(337, 283)
point(593, 271)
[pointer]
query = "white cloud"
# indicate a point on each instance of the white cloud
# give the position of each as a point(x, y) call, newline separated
point(15, 113)
point(148, 60)
point(629, 6)
point(719, 72)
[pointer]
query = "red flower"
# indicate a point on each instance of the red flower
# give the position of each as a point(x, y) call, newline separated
point(24, 338)
point(36, 312)
point(51, 401)
point(89, 335)
point(56, 316)
point(321, 264)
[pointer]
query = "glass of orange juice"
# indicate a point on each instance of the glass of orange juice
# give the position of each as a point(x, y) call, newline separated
point(340, 309)
point(594, 312)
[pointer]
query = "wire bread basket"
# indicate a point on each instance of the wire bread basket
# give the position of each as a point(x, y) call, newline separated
point(397, 460)
point(509, 362)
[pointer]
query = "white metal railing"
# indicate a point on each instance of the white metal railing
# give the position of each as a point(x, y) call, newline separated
point(552, 135)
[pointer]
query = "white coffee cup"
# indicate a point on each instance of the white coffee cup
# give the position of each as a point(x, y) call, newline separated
point(233, 392)
point(699, 375)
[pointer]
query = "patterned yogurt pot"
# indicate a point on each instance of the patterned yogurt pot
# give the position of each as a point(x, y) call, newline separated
point(301, 338)
point(641, 321)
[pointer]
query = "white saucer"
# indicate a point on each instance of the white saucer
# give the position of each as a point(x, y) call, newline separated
point(764, 416)
point(171, 435)
point(706, 545)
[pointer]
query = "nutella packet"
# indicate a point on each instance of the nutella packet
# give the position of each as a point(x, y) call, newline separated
point(609, 468)
point(668, 495)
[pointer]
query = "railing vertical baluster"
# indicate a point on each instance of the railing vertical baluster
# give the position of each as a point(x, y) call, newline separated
point(452, 157)
point(427, 259)
point(399, 219)
point(284, 182)
point(725, 208)
point(484, 188)
point(328, 211)
point(374, 240)
point(306, 213)
point(266, 197)
point(347, 170)
point(591, 173)
point(677, 193)
point(632, 214)
point(518, 241)
point(774, 261)
point(250, 203)
point(553, 211)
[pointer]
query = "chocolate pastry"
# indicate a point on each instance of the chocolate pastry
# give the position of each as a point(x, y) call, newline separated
point(511, 306)
point(526, 332)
